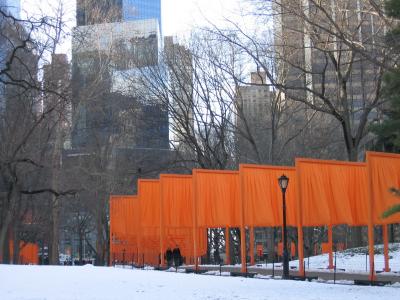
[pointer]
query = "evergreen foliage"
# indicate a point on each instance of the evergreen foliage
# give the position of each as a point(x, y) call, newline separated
point(395, 208)
point(388, 131)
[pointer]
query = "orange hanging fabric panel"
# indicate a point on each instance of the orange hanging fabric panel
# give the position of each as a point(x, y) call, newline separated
point(384, 172)
point(177, 214)
point(117, 216)
point(332, 192)
point(123, 226)
point(29, 254)
point(149, 203)
point(262, 195)
point(149, 197)
point(183, 238)
point(177, 200)
point(217, 198)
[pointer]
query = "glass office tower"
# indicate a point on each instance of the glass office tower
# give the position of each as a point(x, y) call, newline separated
point(89, 12)
point(142, 10)
point(12, 6)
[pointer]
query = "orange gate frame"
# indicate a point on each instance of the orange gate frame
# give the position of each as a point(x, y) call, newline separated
point(228, 199)
point(216, 203)
point(261, 198)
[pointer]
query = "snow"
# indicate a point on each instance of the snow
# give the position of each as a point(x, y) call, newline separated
point(97, 283)
point(352, 260)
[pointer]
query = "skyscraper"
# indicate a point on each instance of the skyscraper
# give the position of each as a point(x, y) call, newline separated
point(141, 10)
point(91, 12)
point(254, 119)
point(11, 6)
point(320, 68)
point(115, 41)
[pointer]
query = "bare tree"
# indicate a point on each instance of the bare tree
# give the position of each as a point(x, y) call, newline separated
point(111, 137)
point(334, 57)
point(23, 117)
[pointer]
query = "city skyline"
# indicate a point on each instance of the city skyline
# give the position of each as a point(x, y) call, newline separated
point(179, 17)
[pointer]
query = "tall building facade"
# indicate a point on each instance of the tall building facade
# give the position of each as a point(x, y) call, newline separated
point(178, 61)
point(318, 65)
point(105, 103)
point(254, 120)
point(116, 40)
point(13, 7)
point(91, 12)
point(142, 10)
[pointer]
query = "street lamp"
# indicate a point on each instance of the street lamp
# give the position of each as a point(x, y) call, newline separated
point(283, 183)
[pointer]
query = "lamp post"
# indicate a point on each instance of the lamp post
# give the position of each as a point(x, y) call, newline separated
point(283, 183)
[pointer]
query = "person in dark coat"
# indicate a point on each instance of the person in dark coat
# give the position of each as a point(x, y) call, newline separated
point(168, 256)
point(176, 254)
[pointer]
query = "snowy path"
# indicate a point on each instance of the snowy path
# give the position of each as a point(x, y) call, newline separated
point(69, 283)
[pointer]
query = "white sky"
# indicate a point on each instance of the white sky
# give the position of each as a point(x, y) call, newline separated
point(179, 16)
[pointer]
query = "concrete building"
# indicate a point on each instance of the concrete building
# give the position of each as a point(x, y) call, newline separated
point(253, 121)
point(142, 10)
point(13, 7)
point(91, 12)
point(308, 52)
point(105, 66)
point(178, 60)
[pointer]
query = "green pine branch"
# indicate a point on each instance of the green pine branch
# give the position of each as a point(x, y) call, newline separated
point(395, 208)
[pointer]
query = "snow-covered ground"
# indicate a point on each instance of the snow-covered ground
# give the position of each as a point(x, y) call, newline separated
point(353, 260)
point(94, 283)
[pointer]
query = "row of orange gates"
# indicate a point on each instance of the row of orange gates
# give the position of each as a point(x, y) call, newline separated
point(177, 209)
point(28, 253)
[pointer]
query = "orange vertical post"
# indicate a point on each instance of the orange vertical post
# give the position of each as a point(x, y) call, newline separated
point(111, 234)
point(386, 247)
point(299, 223)
point(194, 209)
point(243, 249)
point(371, 242)
point(227, 246)
point(139, 236)
point(251, 248)
point(330, 243)
point(162, 259)
point(242, 228)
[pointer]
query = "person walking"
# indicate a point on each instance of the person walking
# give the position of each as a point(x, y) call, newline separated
point(169, 258)
point(176, 254)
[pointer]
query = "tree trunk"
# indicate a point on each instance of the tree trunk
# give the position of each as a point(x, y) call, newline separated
point(356, 232)
point(4, 252)
point(271, 243)
point(217, 257)
point(356, 237)
point(352, 153)
point(53, 249)
point(56, 168)
point(208, 245)
point(81, 254)
point(234, 252)
point(391, 236)
point(100, 247)
point(16, 249)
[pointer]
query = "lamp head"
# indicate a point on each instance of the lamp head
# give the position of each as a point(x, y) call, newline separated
point(283, 182)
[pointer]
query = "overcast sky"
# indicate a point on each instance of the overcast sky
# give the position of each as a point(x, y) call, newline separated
point(179, 16)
